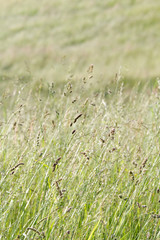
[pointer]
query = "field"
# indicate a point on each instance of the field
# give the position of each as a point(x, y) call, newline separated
point(79, 120)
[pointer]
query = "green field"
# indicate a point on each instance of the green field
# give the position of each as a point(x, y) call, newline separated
point(51, 38)
point(79, 120)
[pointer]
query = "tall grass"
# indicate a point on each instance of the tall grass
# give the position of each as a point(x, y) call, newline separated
point(79, 164)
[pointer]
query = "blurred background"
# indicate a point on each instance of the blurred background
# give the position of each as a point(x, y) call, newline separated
point(56, 40)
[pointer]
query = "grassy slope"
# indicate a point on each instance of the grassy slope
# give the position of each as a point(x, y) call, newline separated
point(108, 175)
point(51, 38)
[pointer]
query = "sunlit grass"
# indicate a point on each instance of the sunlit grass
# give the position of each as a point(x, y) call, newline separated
point(43, 37)
point(77, 165)
point(79, 120)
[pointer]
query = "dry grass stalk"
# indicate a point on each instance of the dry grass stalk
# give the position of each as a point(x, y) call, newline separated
point(56, 163)
point(73, 131)
point(75, 120)
point(90, 69)
point(19, 164)
point(59, 190)
point(42, 220)
point(34, 230)
point(143, 165)
point(38, 139)
point(132, 175)
point(102, 140)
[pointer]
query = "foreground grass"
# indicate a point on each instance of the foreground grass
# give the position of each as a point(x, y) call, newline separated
point(77, 164)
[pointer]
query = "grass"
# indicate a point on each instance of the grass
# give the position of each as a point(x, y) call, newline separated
point(55, 38)
point(79, 120)
point(78, 165)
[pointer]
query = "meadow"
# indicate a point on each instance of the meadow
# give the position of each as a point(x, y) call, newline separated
point(79, 120)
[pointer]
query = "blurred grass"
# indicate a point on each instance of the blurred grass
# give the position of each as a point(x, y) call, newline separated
point(50, 39)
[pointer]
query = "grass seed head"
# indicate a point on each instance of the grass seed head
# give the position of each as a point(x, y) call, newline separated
point(56, 163)
point(132, 175)
point(73, 131)
point(19, 164)
point(90, 69)
point(59, 190)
